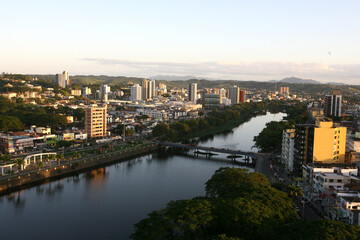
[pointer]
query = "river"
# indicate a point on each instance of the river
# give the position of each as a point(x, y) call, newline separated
point(105, 203)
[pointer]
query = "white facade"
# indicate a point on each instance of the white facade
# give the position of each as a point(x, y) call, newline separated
point(192, 92)
point(104, 91)
point(86, 91)
point(353, 144)
point(222, 93)
point(136, 92)
point(287, 151)
point(331, 180)
point(153, 88)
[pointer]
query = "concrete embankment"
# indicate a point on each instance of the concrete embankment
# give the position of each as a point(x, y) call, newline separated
point(28, 179)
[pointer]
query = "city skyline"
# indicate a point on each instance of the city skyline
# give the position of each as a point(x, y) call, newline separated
point(233, 40)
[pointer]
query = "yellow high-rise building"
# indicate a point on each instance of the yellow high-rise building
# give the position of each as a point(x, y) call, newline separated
point(322, 142)
point(329, 142)
point(95, 121)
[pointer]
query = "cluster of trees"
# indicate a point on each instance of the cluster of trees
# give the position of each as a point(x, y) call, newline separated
point(238, 114)
point(238, 205)
point(270, 138)
point(16, 116)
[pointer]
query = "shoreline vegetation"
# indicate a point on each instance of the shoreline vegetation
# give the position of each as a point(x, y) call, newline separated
point(238, 205)
point(226, 119)
point(215, 122)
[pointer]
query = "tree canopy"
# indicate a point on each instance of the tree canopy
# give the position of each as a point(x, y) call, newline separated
point(238, 205)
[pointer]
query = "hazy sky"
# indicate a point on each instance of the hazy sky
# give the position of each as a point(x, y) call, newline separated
point(243, 40)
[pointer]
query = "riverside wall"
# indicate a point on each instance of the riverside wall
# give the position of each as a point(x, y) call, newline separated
point(23, 180)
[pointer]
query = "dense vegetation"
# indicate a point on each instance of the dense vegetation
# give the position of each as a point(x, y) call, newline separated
point(270, 138)
point(16, 116)
point(219, 120)
point(238, 205)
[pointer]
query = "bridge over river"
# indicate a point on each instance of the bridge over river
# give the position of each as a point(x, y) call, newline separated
point(210, 150)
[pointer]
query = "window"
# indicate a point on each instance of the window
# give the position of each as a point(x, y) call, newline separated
point(339, 180)
point(331, 180)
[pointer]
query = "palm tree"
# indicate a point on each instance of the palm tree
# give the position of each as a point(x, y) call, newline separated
point(59, 157)
point(20, 163)
point(295, 191)
point(40, 165)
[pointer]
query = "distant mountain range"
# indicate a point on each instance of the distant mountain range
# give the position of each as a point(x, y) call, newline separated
point(294, 80)
point(304, 81)
point(175, 78)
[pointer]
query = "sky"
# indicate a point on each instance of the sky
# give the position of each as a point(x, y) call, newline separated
point(228, 39)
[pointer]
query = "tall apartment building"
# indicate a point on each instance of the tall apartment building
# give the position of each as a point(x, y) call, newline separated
point(63, 79)
point(242, 96)
point(148, 89)
point(192, 92)
point(234, 94)
point(95, 121)
point(322, 142)
point(222, 93)
point(104, 92)
point(333, 104)
point(284, 90)
point(287, 148)
point(153, 88)
point(136, 92)
point(86, 91)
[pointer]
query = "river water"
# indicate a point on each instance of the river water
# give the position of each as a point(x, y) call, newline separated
point(105, 203)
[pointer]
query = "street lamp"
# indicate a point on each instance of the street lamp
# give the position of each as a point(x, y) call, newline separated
point(303, 212)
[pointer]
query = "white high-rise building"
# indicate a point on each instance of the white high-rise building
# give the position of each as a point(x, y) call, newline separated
point(192, 92)
point(333, 104)
point(222, 93)
point(287, 151)
point(153, 88)
point(104, 91)
point(63, 79)
point(136, 92)
point(148, 89)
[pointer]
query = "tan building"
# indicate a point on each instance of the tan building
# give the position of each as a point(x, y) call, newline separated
point(76, 92)
point(95, 121)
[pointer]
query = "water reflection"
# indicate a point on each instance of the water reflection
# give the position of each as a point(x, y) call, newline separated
point(105, 203)
point(16, 200)
point(95, 180)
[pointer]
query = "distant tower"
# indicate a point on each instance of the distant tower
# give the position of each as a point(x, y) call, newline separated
point(234, 94)
point(192, 92)
point(242, 96)
point(333, 104)
point(63, 79)
point(136, 92)
point(153, 88)
point(104, 91)
point(148, 88)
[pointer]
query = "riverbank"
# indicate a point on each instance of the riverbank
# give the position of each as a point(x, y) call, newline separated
point(27, 179)
point(228, 126)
